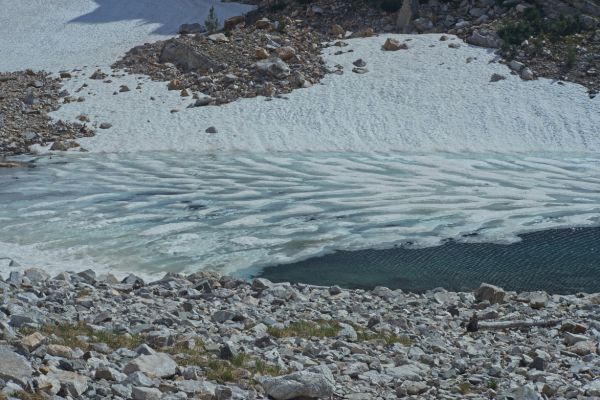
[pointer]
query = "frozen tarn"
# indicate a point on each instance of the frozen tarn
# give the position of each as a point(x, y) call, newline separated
point(427, 98)
point(61, 35)
point(156, 212)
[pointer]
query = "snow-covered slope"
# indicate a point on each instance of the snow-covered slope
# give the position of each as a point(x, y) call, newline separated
point(65, 34)
point(426, 98)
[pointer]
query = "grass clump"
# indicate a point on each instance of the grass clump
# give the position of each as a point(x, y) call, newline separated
point(306, 329)
point(389, 338)
point(24, 396)
point(67, 335)
point(492, 384)
point(464, 387)
point(534, 23)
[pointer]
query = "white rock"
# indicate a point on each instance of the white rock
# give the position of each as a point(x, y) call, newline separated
point(158, 365)
point(315, 382)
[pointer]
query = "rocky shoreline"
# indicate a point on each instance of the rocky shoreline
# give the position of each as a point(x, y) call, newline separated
point(26, 98)
point(79, 335)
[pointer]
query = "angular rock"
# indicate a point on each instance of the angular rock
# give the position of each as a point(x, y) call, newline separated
point(274, 67)
point(393, 45)
point(14, 367)
point(312, 383)
point(491, 293)
point(190, 29)
point(186, 57)
point(145, 393)
point(158, 365)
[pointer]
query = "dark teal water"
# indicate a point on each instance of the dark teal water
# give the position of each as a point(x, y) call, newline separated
point(558, 261)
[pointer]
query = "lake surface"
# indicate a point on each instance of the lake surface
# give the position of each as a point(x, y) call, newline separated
point(239, 213)
point(558, 261)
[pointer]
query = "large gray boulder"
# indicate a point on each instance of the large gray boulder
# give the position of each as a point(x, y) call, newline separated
point(158, 365)
point(316, 382)
point(491, 293)
point(273, 66)
point(186, 57)
point(14, 367)
point(484, 38)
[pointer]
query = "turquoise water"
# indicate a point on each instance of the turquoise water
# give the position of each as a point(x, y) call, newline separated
point(558, 261)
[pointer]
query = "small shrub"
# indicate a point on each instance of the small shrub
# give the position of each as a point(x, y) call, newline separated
point(281, 26)
point(565, 26)
point(388, 338)
point(220, 371)
point(492, 384)
point(571, 58)
point(515, 32)
point(212, 22)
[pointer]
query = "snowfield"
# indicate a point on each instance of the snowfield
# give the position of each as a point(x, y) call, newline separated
point(426, 98)
point(56, 35)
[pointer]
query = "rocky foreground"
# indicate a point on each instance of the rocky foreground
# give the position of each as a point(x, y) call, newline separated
point(79, 335)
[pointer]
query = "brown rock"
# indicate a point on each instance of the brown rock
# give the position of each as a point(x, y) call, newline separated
point(57, 350)
point(263, 23)
point(33, 341)
point(337, 30)
point(286, 53)
point(583, 348)
point(261, 54)
point(232, 22)
point(175, 84)
point(393, 45)
point(369, 32)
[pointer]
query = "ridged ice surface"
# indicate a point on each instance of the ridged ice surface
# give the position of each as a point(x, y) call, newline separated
point(155, 212)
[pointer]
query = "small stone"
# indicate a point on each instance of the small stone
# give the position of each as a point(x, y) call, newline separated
point(358, 70)
point(454, 45)
point(369, 32)
point(527, 74)
point(14, 367)
point(175, 84)
point(359, 63)
point(312, 383)
point(145, 393)
point(491, 293)
point(191, 29)
point(218, 38)
point(337, 30)
point(583, 348)
point(158, 365)
point(211, 129)
point(261, 54)
point(286, 53)
point(33, 341)
point(335, 290)
point(57, 350)
point(124, 88)
point(105, 125)
point(516, 65)
point(393, 45)
point(263, 23)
